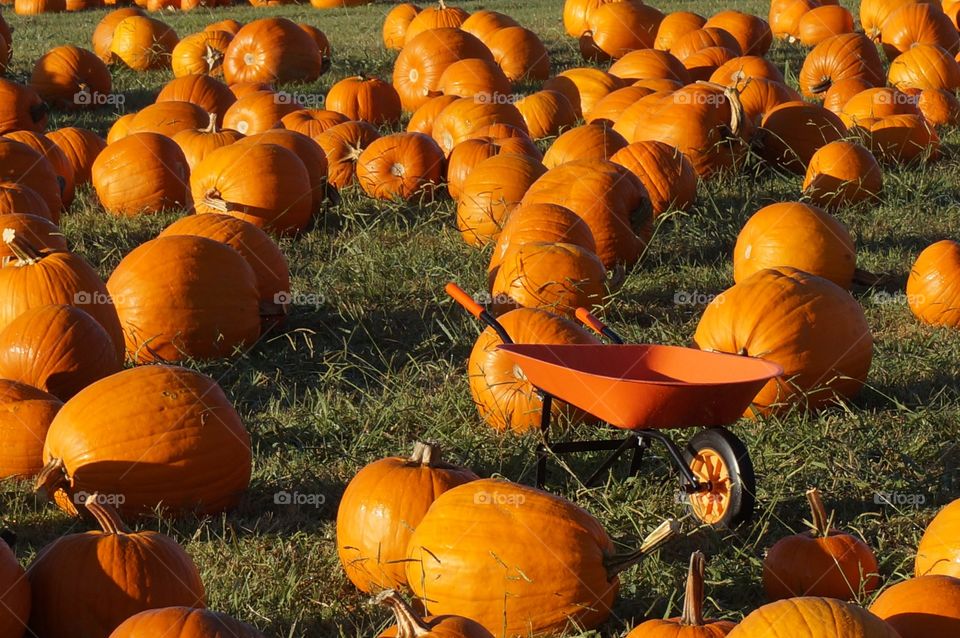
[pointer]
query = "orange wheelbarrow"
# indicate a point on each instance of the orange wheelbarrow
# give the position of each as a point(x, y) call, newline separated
point(645, 388)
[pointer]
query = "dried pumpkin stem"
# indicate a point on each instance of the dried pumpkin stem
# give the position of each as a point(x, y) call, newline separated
point(617, 563)
point(212, 126)
point(107, 517)
point(821, 522)
point(216, 202)
point(213, 58)
point(737, 113)
point(26, 254)
point(428, 454)
point(693, 598)
point(409, 625)
point(52, 477)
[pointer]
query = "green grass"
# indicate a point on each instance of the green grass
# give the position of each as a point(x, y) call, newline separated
point(379, 362)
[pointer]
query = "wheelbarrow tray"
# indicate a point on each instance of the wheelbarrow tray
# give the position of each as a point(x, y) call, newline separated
point(646, 386)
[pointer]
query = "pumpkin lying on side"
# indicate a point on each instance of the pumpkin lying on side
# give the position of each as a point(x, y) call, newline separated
point(812, 617)
point(815, 330)
point(939, 549)
point(382, 505)
point(921, 607)
point(843, 173)
point(933, 288)
point(411, 625)
point(25, 417)
point(823, 562)
point(183, 622)
point(462, 560)
point(14, 595)
point(183, 446)
point(87, 584)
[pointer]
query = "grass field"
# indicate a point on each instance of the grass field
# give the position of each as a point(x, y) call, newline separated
point(373, 358)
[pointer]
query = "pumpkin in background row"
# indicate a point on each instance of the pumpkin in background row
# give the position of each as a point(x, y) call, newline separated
point(208, 94)
point(21, 108)
point(14, 595)
point(411, 625)
point(840, 57)
point(820, 23)
point(491, 188)
point(823, 562)
point(435, 17)
point(520, 54)
point(37, 7)
point(58, 349)
point(25, 417)
point(365, 98)
point(752, 32)
point(921, 607)
point(71, 77)
point(483, 23)
point(264, 184)
point(815, 330)
point(812, 617)
point(159, 183)
point(666, 174)
point(183, 446)
point(575, 15)
point(401, 166)
point(918, 23)
point(939, 550)
point(842, 173)
point(692, 623)
point(458, 563)
point(206, 306)
point(396, 23)
point(933, 287)
point(421, 63)
point(382, 505)
point(796, 235)
point(81, 148)
point(200, 53)
point(785, 15)
point(272, 50)
point(183, 622)
point(504, 397)
point(143, 43)
point(116, 564)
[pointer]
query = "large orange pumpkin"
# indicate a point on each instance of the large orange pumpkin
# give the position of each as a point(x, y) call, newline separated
point(143, 43)
point(820, 23)
point(921, 607)
point(752, 32)
point(490, 190)
point(421, 63)
point(14, 595)
point(183, 622)
point(306, 149)
point(918, 23)
point(784, 17)
point(343, 144)
point(666, 174)
point(939, 550)
point(382, 505)
point(259, 111)
point(435, 17)
point(587, 142)
point(103, 33)
point(924, 66)
point(850, 55)
point(201, 53)
point(812, 617)
point(616, 28)
point(808, 325)
point(160, 182)
point(933, 287)
point(484, 22)
point(400, 166)
point(81, 148)
point(396, 23)
point(842, 173)
point(520, 54)
point(183, 446)
point(584, 87)
point(70, 77)
point(21, 108)
point(901, 138)
point(26, 416)
point(116, 563)
point(575, 14)
point(272, 50)
point(365, 98)
point(466, 155)
point(422, 119)
point(207, 93)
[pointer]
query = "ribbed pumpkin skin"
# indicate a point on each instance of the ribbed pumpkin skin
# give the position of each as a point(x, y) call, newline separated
point(421, 63)
point(608, 197)
point(666, 174)
point(21, 164)
point(52, 153)
point(343, 144)
point(812, 618)
point(400, 166)
point(39, 231)
point(939, 550)
point(25, 417)
point(921, 607)
point(209, 94)
point(584, 87)
point(159, 183)
point(837, 566)
point(494, 185)
point(467, 117)
point(849, 55)
point(201, 53)
point(364, 98)
point(674, 26)
point(81, 148)
point(208, 470)
point(258, 112)
point(215, 308)
point(484, 23)
point(587, 142)
point(752, 33)
point(58, 349)
point(263, 184)
point(933, 287)
point(312, 122)
point(20, 108)
point(791, 133)
point(196, 144)
point(396, 23)
point(58, 278)
point(842, 173)
point(924, 66)
point(255, 246)
point(382, 505)
point(796, 235)
point(458, 566)
point(143, 43)
point(272, 50)
point(103, 33)
point(504, 398)
point(808, 325)
point(123, 573)
point(62, 72)
point(183, 622)
point(14, 595)
point(918, 23)
point(543, 223)
point(17, 199)
point(520, 54)
point(306, 149)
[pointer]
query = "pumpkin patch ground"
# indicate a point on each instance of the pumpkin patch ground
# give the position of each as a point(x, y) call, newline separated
point(299, 341)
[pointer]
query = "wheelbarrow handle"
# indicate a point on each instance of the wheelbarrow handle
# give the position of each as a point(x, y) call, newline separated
point(590, 320)
point(477, 310)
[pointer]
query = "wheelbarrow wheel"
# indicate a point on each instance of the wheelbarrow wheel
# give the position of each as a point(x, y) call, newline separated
point(720, 461)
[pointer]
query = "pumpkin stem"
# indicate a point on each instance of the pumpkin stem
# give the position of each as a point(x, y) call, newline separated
point(52, 477)
point(217, 203)
point(693, 598)
point(212, 127)
point(409, 625)
point(213, 58)
point(869, 279)
point(732, 93)
point(821, 522)
point(426, 454)
point(26, 254)
point(443, 5)
point(617, 563)
point(822, 85)
point(107, 517)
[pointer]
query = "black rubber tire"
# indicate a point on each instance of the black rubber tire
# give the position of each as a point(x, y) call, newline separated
point(743, 481)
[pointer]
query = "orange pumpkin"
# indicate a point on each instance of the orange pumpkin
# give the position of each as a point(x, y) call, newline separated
point(702, 39)
point(25, 166)
point(939, 551)
point(119, 129)
point(484, 22)
point(52, 153)
point(466, 155)
point(850, 55)
point(647, 64)
point(791, 133)
point(609, 109)
point(873, 13)
point(380, 508)
point(923, 606)
point(306, 149)
point(812, 617)
point(475, 77)
point(546, 113)
point(27, 413)
point(587, 142)
point(21, 108)
point(365, 98)
point(752, 32)
point(616, 28)
point(272, 50)
point(785, 15)
point(323, 45)
point(741, 70)
point(666, 174)
point(575, 14)
point(396, 23)
point(259, 112)
point(410, 624)
point(264, 184)
point(198, 143)
point(583, 87)
point(201, 54)
point(421, 63)
point(143, 43)
point(70, 77)
point(674, 26)
point(918, 23)
point(36, 7)
point(842, 173)
point(400, 166)
point(820, 23)
point(159, 183)
point(924, 66)
point(933, 287)
point(938, 107)
point(520, 54)
point(466, 118)
point(103, 33)
point(343, 144)
point(842, 91)
point(439, 16)
point(17, 199)
point(808, 325)
point(209, 94)
point(183, 622)
point(81, 148)
point(422, 119)
point(312, 122)
point(705, 62)
point(875, 103)
point(902, 138)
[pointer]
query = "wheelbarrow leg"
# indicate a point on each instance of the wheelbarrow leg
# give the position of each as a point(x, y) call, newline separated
point(687, 478)
point(629, 442)
point(637, 459)
point(544, 447)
